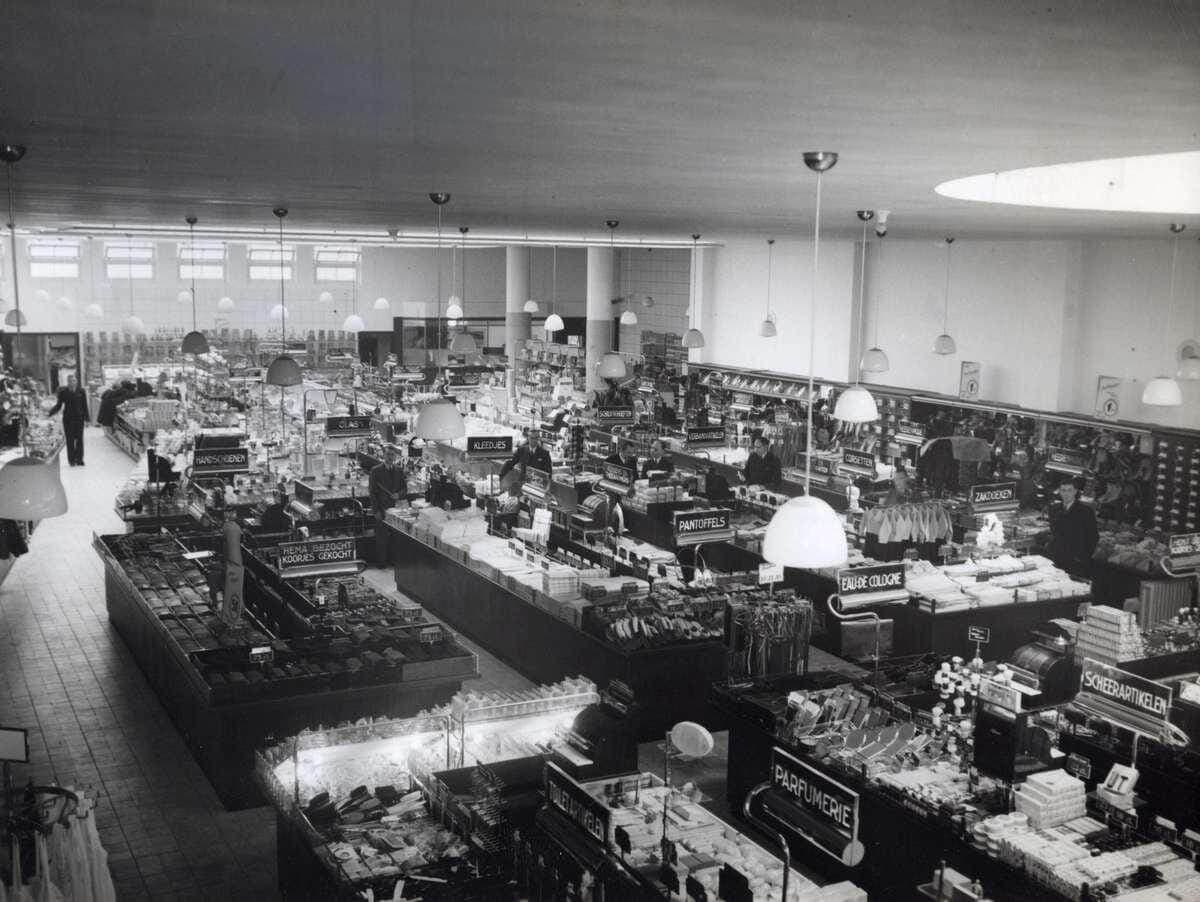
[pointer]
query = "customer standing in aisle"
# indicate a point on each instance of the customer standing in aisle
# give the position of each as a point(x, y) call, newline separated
point(388, 486)
point(531, 454)
point(762, 466)
point(657, 461)
point(72, 401)
point(1073, 532)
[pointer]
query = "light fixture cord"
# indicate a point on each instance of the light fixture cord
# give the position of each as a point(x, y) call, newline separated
point(192, 230)
point(862, 293)
point(282, 305)
point(439, 276)
point(1171, 290)
point(692, 285)
point(554, 281)
point(462, 284)
point(879, 268)
point(770, 265)
point(812, 343)
point(12, 233)
point(946, 307)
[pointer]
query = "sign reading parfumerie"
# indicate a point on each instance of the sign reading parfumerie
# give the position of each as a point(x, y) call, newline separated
point(295, 555)
point(614, 416)
point(568, 797)
point(220, 460)
point(831, 806)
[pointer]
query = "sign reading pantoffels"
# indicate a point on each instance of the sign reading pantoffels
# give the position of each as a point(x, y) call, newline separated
point(702, 525)
point(490, 445)
point(220, 460)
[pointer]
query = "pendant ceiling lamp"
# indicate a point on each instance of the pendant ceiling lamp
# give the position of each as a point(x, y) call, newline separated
point(64, 303)
point(325, 297)
point(530, 306)
point(874, 360)
point(944, 344)
point(855, 404)
point(30, 489)
point(554, 322)
point(628, 317)
point(440, 199)
point(463, 341)
point(768, 329)
point(284, 371)
point(806, 532)
point(382, 304)
point(354, 322)
point(194, 342)
point(133, 323)
point(226, 304)
point(693, 338)
point(612, 366)
point(94, 311)
point(439, 421)
point(454, 307)
point(1163, 391)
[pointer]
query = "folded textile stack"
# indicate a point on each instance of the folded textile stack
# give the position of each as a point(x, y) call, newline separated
point(560, 581)
point(1109, 635)
point(987, 594)
point(1051, 798)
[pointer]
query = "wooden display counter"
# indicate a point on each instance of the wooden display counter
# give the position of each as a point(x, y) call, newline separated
point(668, 682)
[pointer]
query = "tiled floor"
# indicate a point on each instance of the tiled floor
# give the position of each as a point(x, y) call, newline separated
point(94, 720)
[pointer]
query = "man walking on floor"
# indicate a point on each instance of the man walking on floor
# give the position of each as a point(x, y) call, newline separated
point(72, 400)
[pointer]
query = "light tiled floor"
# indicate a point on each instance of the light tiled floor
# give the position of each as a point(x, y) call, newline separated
point(95, 721)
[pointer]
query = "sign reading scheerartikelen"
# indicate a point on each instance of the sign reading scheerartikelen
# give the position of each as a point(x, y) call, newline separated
point(1131, 700)
point(1184, 551)
point(827, 812)
point(211, 461)
point(697, 526)
point(621, 415)
point(490, 445)
point(318, 553)
point(576, 804)
point(859, 586)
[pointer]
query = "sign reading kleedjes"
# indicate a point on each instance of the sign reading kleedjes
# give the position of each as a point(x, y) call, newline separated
point(1138, 695)
point(993, 494)
point(295, 555)
point(347, 426)
point(577, 804)
point(830, 807)
point(220, 460)
point(489, 445)
point(614, 416)
point(699, 436)
point(701, 525)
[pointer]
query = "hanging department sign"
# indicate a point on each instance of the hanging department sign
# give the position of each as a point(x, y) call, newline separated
point(1134, 701)
point(621, 415)
point(576, 804)
point(489, 445)
point(347, 427)
point(701, 436)
point(877, 584)
point(816, 808)
point(214, 461)
point(698, 526)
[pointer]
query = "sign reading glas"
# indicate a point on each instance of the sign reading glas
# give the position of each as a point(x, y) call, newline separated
point(347, 427)
point(821, 810)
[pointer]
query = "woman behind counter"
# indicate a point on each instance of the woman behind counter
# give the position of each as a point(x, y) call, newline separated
point(1073, 532)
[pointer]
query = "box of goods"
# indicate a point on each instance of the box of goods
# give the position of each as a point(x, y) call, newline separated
point(560, 581)
point(572, 610)
point(1051, 798)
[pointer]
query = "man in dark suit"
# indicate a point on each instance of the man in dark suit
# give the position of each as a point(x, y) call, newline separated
point(72, 401)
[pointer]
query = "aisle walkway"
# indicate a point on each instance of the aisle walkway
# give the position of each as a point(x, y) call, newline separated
point(94, 720)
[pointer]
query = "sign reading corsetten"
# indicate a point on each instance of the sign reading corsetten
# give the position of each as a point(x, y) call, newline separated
point(1123, 695)
point(993, 496)
point(870, 585)
point(614, 416)
point(489, 445)
point(858, 460)
point(694, 527)
point(827, 811)
point(568, 797)
point(220, 460)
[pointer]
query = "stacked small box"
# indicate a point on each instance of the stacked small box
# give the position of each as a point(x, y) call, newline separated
point(1051, 798)
point(560, 581)
point(1109, 635)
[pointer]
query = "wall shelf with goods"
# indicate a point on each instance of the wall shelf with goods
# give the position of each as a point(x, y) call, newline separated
point(542, 373)
point(664, 353)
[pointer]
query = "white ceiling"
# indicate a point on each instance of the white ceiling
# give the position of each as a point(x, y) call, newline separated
point(674, 117)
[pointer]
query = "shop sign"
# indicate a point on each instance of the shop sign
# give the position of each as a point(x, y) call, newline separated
point(1080, 766)
point(615, 416)
point(622, 476)
point(219, 439)
point(699, 436)
point(968, 381)
point(537, 479)
point(993, 495)
point(1142, 698)
point(1066, 460)
point(829, 811)
point(490, 445)
point(1108, 397)
point(14, 744)
point(980, 634)
point(769, 573)
point(887, 579)
point(463, 377)
point(576, 804)
point(910, 429)
point(1184, 550)
point(321, 552)
point(262, 654)
point(694, 527)
point(211, 461)
point(346, 427)
point(858, 460)
point(245, 372)
point(823, 466)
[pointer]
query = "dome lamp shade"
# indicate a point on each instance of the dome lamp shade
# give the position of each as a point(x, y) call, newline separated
point(693, 338)
point(354, 323)
point(454, 308)
point(768, 328)
point(194, 343)
point(16, 318)
point(944, 344)
point(439, 421)
point(1162, 391)
point(554, 323)
point(612, 366)
point(1189, 369)
point(874, 360)
point(278, 312)
point(30, 489)
point(463, 343)
point(325, 297)
point(134, 325)
point(531, 306)
point(629, 318)
point(284, 372)
point(855, 405)
point(805, 532)
point(225, 305)
point(64, 303)
point(184, 297)
point(382, 304)
point(95, 311)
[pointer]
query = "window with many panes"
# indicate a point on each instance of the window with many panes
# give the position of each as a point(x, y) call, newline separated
point(201, 260)
point(336, 264)
point(129, 260)
point(54, 259)
point(266, 262)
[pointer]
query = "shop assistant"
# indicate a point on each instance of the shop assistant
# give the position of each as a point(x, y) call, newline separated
point(762, 466)
point(625, 457)
point(900, 490)
point(72, 401)
point(1073, 532)
point(657, 460)
point(388, 486)
point(531, 454)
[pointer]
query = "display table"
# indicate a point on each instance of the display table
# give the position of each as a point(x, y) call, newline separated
point(544, 648)
point(222, 730)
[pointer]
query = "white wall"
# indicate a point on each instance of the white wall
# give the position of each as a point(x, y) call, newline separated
point(663, 274)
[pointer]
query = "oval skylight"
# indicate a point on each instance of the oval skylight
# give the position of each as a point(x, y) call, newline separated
point(1158, 183)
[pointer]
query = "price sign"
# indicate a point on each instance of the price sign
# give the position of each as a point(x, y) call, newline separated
point(992, 496)
point(262, 654)
point(908, 429)
point(537, 479)
point(769, 573)
point(573, 801)
point(1184, 550)
point(213, 461)
point(1000, 694)
point(1066, 460)
point(858, 460)
point(615, 415)
point(490, 445)
point(430, 635)
point(823, 466)
point(322, 552)
point(979, 634)
point(701, 436)
point(347, 427)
